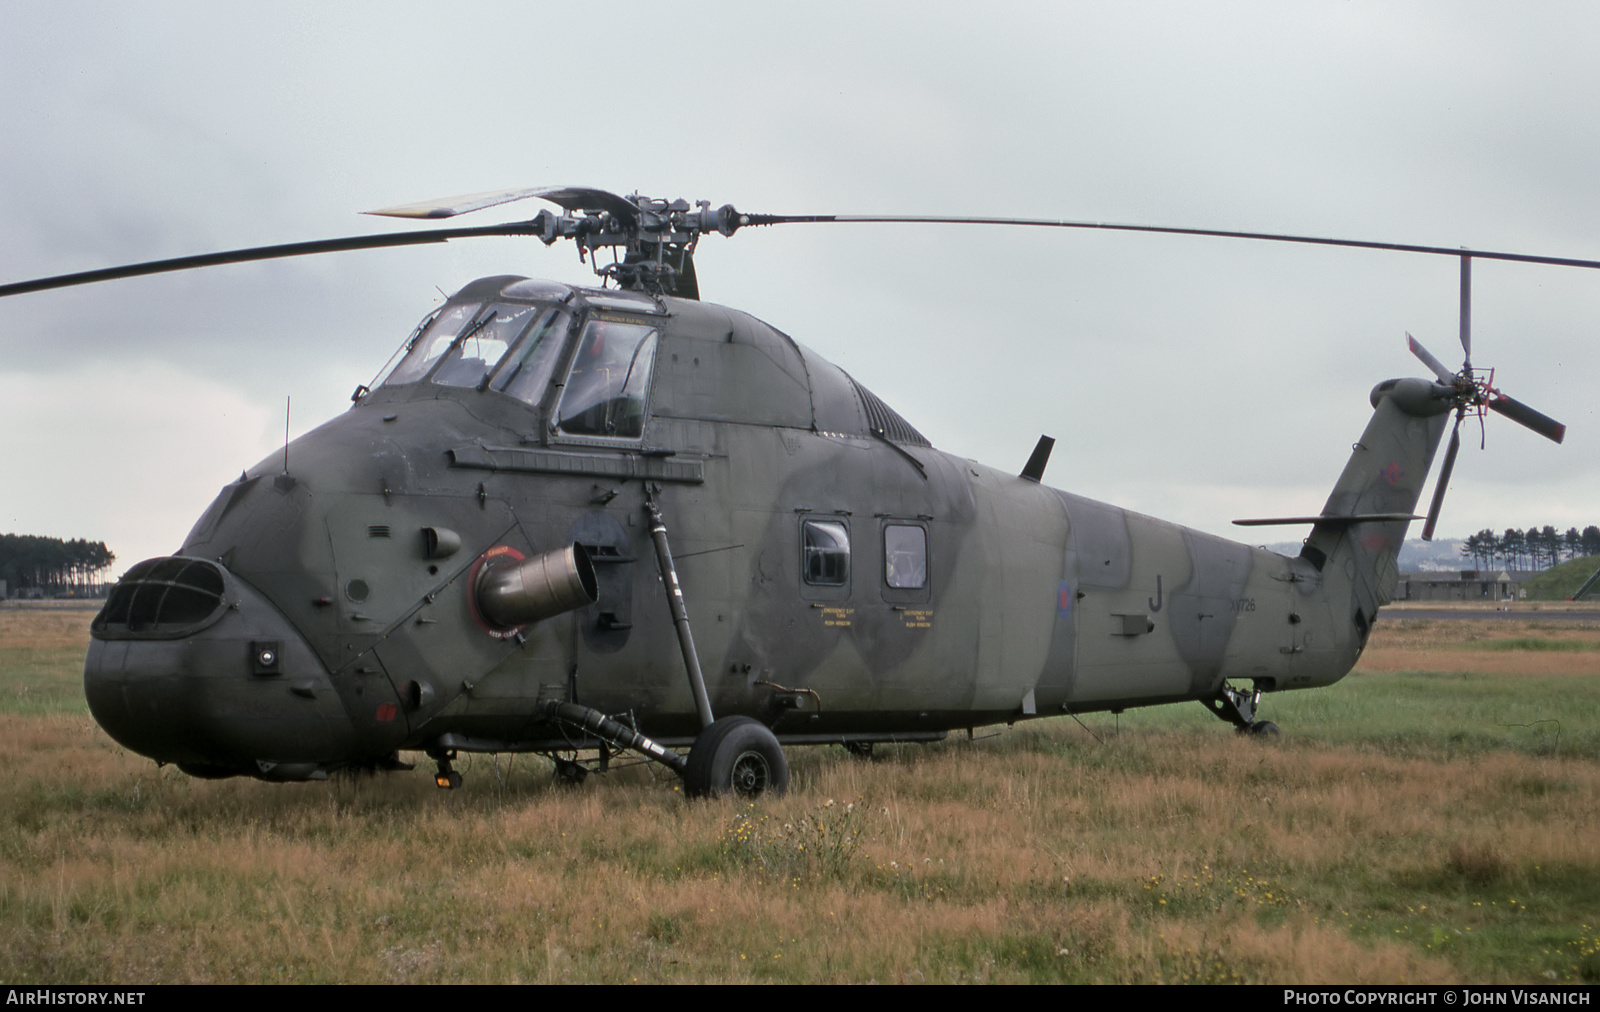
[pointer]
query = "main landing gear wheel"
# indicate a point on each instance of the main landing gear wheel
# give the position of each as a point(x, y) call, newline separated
point(1261, 729)
point(736, 755)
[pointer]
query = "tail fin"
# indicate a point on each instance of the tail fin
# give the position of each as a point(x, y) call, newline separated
point(1385, 475)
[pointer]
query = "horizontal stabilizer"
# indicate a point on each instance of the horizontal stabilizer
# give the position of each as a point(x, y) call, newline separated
point(1344, 520)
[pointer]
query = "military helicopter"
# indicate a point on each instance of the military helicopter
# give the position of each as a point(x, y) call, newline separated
point(475, 557)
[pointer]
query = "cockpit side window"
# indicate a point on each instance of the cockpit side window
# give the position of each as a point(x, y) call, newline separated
point(610, 376)
point(528, 369)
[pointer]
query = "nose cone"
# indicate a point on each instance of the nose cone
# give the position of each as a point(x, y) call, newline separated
point(189, 665)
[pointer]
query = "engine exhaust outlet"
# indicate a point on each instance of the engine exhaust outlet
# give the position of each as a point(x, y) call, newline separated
point(517, 593)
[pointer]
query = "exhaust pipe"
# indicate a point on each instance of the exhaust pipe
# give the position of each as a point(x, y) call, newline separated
point(513, 594)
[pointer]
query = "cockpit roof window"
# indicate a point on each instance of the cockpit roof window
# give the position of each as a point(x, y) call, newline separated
point(632, 302)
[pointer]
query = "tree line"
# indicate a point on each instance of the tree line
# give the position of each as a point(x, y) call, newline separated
point(52, 566)
point(1534, 548)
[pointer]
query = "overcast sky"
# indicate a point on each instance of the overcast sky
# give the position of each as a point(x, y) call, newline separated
point(1194, 379)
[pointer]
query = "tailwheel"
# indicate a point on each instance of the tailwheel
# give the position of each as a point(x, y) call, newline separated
point(1238, 707)
point(736, 755)
point(570, 772)
point(444, 777)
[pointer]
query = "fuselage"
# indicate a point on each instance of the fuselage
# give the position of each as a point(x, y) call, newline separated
point(845, 580)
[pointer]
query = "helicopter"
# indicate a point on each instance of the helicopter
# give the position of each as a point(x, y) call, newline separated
point(587, 521)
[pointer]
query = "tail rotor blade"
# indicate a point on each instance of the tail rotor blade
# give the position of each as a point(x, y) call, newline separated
point(1520, 413)
point(1444, 481)
point(1445, 375)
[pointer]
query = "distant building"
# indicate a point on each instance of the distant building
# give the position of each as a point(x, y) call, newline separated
point(1465, 585)
point(1589, 591)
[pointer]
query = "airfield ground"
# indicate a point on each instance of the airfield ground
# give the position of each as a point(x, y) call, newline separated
point(1434, 817)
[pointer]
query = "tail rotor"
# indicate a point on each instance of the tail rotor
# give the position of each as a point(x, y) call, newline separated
point(1471, 391)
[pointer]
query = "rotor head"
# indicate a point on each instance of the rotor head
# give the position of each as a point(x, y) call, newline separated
point(656, 237)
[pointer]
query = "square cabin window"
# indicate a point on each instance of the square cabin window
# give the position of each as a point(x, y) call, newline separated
point(826, 549)
point(905, 556)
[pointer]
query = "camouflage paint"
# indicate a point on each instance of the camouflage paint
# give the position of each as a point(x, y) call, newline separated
point(1036, 602)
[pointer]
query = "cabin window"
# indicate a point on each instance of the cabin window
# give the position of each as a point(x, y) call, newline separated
point(826, 550)
point(605, 389)
point(905, 556)
point(528, 369)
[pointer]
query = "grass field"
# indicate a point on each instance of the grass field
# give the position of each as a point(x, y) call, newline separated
point(1433, 817)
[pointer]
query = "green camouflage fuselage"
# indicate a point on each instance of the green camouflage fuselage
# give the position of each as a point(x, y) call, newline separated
point(794, 500)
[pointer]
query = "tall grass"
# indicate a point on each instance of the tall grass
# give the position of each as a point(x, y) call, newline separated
point(41, 657)
point(1372, 843)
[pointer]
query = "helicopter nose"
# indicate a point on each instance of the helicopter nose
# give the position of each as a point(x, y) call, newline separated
point(190, 665)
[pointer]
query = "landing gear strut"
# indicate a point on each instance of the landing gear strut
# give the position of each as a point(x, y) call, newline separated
point(1238, 707)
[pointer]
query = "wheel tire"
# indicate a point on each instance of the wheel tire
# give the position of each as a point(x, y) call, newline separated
point(736, 755)
point(1265, 729)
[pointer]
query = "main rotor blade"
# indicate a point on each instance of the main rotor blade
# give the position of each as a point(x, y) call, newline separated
point(627, 213)
point(571, 198)
point(449, 207)
point(293, 249)
point(1444, 481)
point(934, 219)
point(1445, 375)
point(584, 198)
point(1520, 413)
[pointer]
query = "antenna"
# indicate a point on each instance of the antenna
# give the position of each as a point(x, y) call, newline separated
point(284, 482)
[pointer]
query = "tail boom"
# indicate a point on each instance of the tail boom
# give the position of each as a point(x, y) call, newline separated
point(1384, 477)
